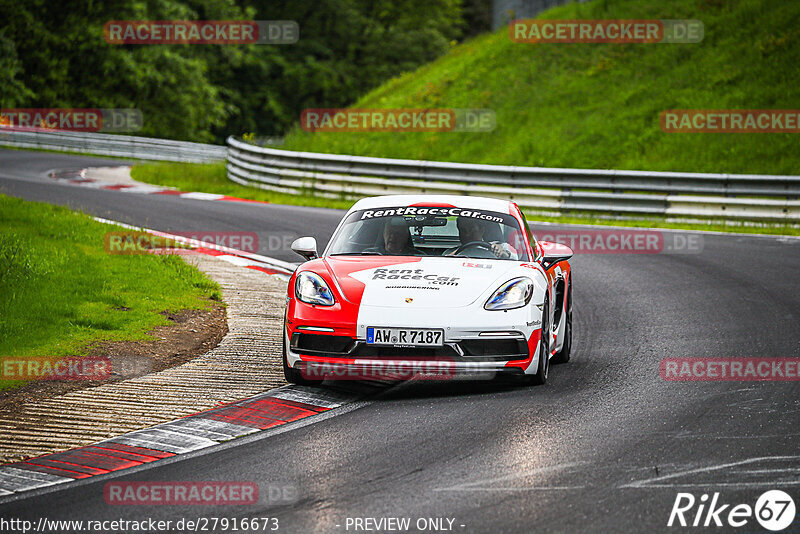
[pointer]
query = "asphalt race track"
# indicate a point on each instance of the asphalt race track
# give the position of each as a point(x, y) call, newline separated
point(24, 174)
point(605, 446)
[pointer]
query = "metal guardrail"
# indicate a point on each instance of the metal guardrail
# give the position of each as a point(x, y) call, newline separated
point(550, 190)
point(124, 146)
point(545, 190)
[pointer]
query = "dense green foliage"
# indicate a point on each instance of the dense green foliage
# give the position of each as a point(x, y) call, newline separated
point(598, 105)
point(53, 54)
point(60, 290)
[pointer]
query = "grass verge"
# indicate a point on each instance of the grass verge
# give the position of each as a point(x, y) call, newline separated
point(597, 106)
point(60, 292)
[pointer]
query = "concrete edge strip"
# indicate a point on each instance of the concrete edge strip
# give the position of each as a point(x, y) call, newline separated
point(188, 434)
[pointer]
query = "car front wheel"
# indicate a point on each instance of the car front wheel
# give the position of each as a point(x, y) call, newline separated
point(294, 376)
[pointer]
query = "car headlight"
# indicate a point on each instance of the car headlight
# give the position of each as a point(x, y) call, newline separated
point(513, 294)
point(312, 289)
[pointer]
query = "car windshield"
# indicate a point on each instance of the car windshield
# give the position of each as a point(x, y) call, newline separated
point(430, 231)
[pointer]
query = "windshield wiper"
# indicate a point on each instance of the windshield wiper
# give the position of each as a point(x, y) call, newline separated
point(363, 253)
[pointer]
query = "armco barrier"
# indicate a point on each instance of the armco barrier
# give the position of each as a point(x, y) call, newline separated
point(739, 197)
point(742, 197)
point(123, 146)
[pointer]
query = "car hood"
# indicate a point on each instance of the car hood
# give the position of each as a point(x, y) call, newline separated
point(417, 282)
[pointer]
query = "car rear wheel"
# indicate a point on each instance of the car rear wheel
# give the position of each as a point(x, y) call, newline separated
point(543, 367)
point(564, 354)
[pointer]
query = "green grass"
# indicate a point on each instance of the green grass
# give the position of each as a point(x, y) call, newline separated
point(598, 105)
point(60, 292)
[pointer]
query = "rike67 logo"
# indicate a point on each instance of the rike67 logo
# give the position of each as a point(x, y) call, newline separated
point(774, 510)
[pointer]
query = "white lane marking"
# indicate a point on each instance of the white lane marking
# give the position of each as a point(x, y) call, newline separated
point(483, 484)
point(164, 440)
point(207, 428)
point(243, 262)
point(322, 399)
point(766, 483)
point(14, 480)
point(760, 471)
point(33, 475)
point(651, 482)
point(201, 196)
point(236, 260)
point(91, 184)
point(199, 423)
point(144, 189)
point(272, 263)
point(689, 434)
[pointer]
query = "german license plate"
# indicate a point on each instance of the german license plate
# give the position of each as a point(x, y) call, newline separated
point(420, 337)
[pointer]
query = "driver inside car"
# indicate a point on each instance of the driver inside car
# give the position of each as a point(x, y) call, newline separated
point(472, 230)
point(397, 238)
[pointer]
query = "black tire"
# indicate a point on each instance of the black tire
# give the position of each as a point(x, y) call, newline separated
point(542, 370)
point(294, 376)
point(564, 354)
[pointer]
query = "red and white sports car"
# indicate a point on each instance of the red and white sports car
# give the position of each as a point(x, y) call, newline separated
point(428, 285)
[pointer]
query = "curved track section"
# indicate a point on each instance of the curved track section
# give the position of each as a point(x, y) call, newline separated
point(605, 446)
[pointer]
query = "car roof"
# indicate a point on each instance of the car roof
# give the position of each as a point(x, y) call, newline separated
point(482, 203)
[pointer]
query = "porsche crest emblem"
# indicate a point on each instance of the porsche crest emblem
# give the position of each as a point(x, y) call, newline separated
point(409, 300)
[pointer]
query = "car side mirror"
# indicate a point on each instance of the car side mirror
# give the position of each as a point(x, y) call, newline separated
point(554, 253)
point(306, 247)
